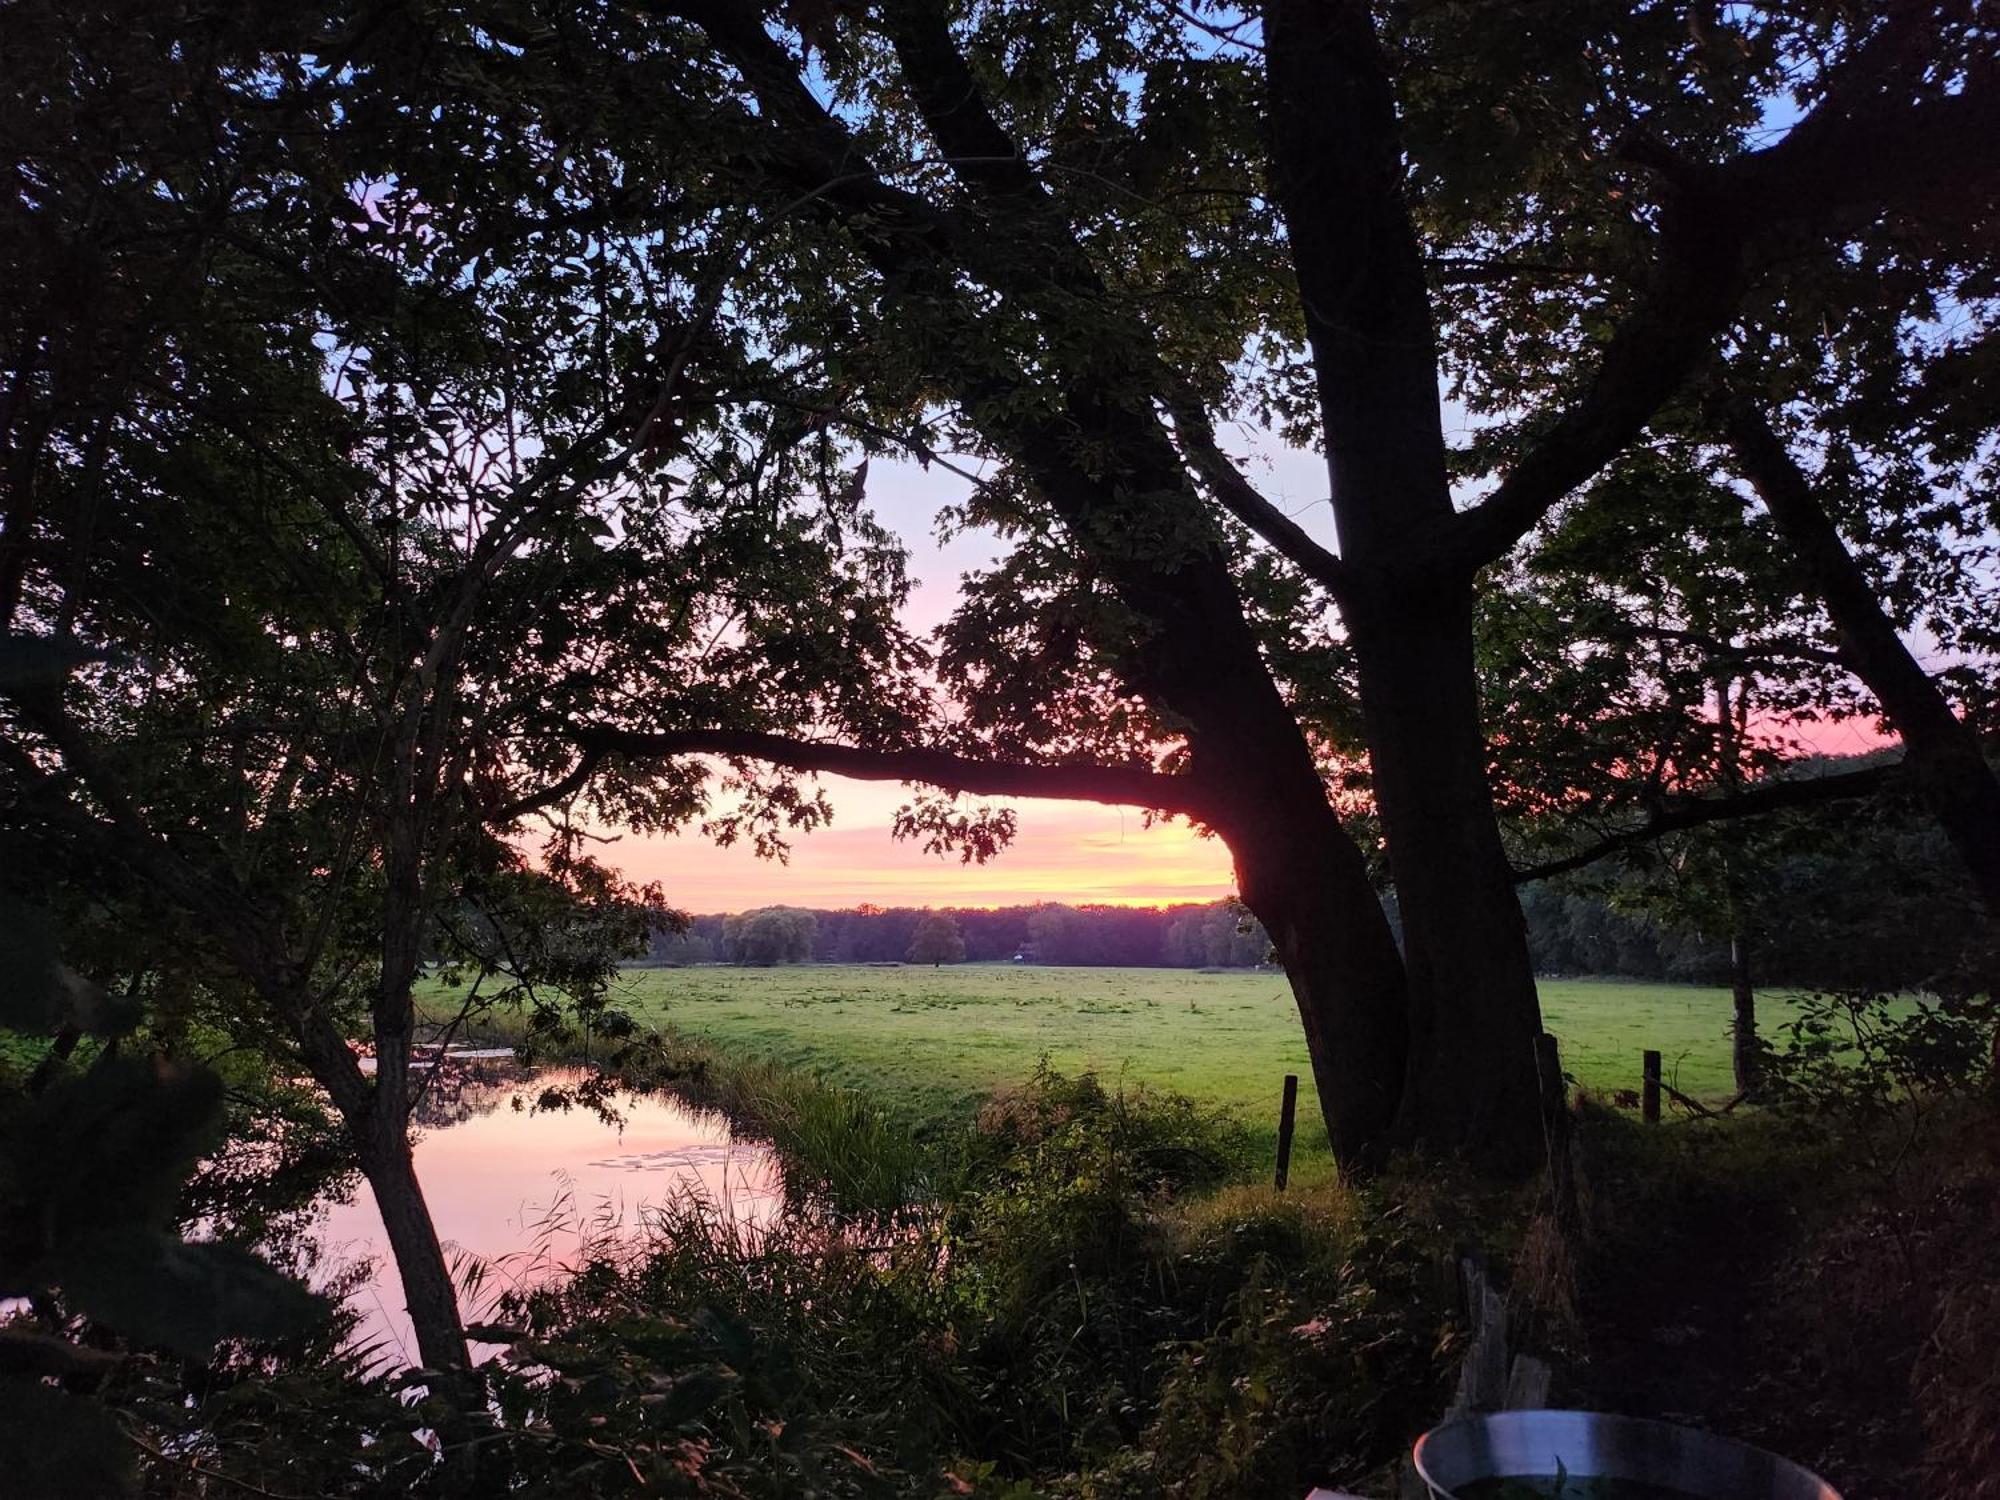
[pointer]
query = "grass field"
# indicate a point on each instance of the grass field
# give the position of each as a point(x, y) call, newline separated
point(931, 1042)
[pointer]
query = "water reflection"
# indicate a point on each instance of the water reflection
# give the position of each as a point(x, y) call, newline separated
point(516, 1190)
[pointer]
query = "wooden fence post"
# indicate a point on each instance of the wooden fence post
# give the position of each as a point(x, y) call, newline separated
point(1287, 1119)
point(1649, 1101)
point(1555, 1135)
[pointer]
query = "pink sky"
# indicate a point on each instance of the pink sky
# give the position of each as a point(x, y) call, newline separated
point(1065, 851)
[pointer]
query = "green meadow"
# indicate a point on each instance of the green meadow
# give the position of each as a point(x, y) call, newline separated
point(930, 1043)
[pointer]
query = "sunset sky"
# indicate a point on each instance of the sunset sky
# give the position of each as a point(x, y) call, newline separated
point(1065, 851)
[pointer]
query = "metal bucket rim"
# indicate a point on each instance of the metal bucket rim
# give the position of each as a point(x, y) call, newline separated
point(1610, 1420)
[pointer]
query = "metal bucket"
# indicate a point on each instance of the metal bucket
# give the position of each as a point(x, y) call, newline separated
point(1590, 1445)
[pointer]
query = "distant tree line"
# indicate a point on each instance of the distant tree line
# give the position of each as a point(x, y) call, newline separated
point(1870, 901)
point(770, 935)
point(1213, 935)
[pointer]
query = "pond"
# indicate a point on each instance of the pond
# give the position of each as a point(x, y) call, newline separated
point(515, 1190)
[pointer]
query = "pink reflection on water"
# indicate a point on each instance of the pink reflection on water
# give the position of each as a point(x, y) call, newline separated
point(495, 1175)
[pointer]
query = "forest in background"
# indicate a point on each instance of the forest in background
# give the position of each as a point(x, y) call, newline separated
point(1217, 934)
point(1573, 930)
point(1824, 900)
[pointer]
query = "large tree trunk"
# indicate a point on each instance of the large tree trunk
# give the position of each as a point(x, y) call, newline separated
point(1297, 868)
point(382, 1134)
point(1337, 174)
point(386, 1159)
point(1474, 1014)
point(1307, 881)
point(1111, 474)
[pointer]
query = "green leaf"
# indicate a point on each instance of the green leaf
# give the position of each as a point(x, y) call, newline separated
point(40, 994)
point(156, 1289)
point(108, 1148)
point(729, 1334)
point(495, 1333)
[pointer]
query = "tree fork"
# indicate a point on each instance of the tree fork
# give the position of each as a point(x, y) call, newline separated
point(1470, 1082)
point(1201, 661)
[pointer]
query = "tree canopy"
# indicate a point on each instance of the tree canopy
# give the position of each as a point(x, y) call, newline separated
point(433, 435)
point(937, 940)
point(1663, 272)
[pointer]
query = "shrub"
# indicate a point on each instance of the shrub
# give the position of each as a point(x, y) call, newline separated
point(1871, 1056)
point(1329, 1356)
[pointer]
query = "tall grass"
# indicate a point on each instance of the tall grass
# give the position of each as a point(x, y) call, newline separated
point(837, 1148)
point(1052, 1298)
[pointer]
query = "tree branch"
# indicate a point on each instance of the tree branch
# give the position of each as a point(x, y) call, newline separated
point(1010, 235)
point(1693, 812)
point(1121, 785)
point(1861, 148)
point(1944, 754)
point(1698, 279)
point(1196, 437)
point(555, 792)
point(982, 155)
point(1337, 176)
point(1458, 270)
point(23, 1352)
point(212, 899)
point(810, 145)
point(1749, 654)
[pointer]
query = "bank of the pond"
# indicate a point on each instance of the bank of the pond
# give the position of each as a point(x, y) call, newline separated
point(1084, 1304)
point(1079, 1291)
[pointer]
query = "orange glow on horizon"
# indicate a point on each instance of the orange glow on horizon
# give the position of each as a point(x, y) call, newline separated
point(1079, 853)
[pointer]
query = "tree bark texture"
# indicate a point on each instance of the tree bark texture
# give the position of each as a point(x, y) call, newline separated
point(1471, 1081)
point(428, 1293)
point(1307, 882)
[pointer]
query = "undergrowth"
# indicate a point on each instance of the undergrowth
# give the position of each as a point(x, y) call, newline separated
point(1079, 1312)
point(1082, 1302)
point(1821, 1276)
